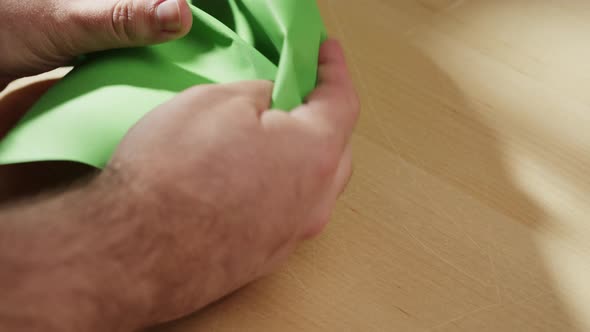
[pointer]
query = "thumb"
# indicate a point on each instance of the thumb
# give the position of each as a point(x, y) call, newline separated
point(109, 24)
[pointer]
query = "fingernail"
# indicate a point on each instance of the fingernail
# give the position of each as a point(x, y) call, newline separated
point(168, 14)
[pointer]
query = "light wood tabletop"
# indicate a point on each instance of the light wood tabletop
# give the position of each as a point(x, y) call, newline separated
point(469, 209)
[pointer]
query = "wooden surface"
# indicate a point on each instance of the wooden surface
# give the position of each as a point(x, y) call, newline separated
point(470, 205)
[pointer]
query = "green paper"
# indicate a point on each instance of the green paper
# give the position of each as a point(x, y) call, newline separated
point(86, 115)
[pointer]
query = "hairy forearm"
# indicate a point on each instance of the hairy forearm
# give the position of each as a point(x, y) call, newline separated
point(63, 261)
point(106, 256)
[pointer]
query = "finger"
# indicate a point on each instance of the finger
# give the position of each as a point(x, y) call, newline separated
point(101, 25)
point(334, 104)
point(257, 93)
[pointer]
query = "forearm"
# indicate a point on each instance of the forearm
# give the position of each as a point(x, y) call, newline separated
point(63, 266)
point(108, 256)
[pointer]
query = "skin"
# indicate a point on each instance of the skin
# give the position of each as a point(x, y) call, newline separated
point(207, 193)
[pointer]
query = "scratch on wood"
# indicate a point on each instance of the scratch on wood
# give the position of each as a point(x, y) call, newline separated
point(457, 225)
point(463, 316)
point(292, 275)
point(363, 85)
point(495, 277)
point(533, 297)
point(454, 5)
point(476, 244)
point(433, 252)
point(492, 306)
point(403, 311)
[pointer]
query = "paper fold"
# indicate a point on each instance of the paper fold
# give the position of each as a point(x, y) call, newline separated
point(84, 117)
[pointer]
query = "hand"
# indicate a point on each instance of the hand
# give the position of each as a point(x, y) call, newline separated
point(207, 193)
point(216, 161)
point(39, 35)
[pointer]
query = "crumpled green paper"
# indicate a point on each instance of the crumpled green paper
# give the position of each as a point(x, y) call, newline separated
point(86, 115)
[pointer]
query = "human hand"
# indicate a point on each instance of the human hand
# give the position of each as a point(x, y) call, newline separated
point(207, 193)
point(228, 188)
point(40, 35)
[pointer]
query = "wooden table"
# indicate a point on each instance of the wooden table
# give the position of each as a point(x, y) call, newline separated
point(470, 205)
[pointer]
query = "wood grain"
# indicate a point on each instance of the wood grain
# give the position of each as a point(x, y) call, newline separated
point(469, 209)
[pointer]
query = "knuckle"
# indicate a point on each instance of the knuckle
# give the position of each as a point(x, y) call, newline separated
point(123, 20)
point(255, 83)
point(263, 85)
point(223, 99)
point(242, 109)
point(200, 90)
point(209, 92)
point(240, 101)
point(256, 91)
